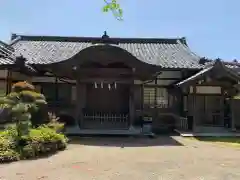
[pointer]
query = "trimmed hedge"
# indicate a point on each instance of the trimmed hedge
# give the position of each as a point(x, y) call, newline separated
point(40, 141)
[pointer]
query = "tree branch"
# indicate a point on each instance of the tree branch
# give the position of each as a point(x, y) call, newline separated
point(114, 6)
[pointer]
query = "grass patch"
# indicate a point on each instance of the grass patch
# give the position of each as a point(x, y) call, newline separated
point(233, 141)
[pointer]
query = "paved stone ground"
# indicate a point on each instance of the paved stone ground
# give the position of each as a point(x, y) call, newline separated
point(164, 158)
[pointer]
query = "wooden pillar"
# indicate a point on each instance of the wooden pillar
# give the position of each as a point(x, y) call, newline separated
point(131, 105)
point(155, 95)
point(233, 126)
point(142, 97)
point(56, 89)
point(77, 105)
point(195, 115)
point(9, 82)
point(80, 102)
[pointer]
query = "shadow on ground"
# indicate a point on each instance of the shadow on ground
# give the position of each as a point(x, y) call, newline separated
point(125, 141)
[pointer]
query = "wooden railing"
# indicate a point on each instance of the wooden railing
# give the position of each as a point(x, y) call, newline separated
point(102, 120)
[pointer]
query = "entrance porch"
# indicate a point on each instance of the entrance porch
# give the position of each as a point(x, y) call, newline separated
point(106, 95)
point(104, 105)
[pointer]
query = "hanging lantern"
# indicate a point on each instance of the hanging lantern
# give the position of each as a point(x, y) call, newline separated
point(95, 85)
point(115, 85)
point(101, 84)
point(109, 87)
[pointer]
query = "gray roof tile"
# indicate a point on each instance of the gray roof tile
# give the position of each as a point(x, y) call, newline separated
point(6, 54)
point(230, 67)
point(8, 57)
point(167, 53)
point(228, 64)
point(197, 75)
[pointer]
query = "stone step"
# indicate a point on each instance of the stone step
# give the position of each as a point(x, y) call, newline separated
point(77, 131)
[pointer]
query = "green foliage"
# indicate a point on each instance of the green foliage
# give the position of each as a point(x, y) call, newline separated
point(114, 7)
point(10, 132)
point(8, 145)
point(35, 132)
point(9, 155)
point(39, 141)
point(25, 104)
point(236, 97)
point(43, 140)
point(44, 134)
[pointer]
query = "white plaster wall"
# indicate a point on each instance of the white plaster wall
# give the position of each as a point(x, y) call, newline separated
point(170, 74)
point(3, 73)
point(48, 79)
point(208, 90)
point(20, 77)
point(164, 78)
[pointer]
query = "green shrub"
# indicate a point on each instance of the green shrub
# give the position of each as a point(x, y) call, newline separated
point(9, 155)
point(10, 135)
point(28, 151)
point(46, 134)
point(8, 146)
point(43, 140)
point(39, 141)
point(5, 143)
point(35, 132)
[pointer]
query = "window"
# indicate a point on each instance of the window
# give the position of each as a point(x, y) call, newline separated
point(149, 96)
point(161, 97)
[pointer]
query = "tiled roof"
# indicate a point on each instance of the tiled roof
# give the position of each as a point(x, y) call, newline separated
point(229, 67)
point(167, 53)
point(6, 54)
point(195, 76)
point(8, 57)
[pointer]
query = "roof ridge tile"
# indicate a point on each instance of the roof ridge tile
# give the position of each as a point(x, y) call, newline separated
point(93, 39)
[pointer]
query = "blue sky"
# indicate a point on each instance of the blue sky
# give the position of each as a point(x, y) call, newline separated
point(212, 27)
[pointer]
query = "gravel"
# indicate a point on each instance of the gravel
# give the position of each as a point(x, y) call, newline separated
point(163, 158)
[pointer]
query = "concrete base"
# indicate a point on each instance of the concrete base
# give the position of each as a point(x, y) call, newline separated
point(77, 131)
